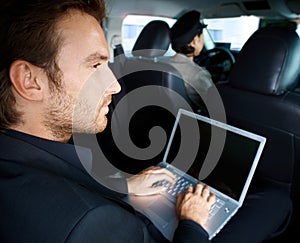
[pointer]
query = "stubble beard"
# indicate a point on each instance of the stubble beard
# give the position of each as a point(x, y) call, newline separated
point(64, 116)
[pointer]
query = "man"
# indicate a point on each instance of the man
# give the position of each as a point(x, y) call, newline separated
point(187, 41)
point(53, 57)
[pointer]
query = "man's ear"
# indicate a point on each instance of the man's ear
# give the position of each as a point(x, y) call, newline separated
point(194, 41)
point(26, 80)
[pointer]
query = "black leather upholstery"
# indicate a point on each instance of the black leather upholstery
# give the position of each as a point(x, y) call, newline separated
point(153, 40)
point(152, 92)
point(268, 63)
point(118, 50)
point(259, 97)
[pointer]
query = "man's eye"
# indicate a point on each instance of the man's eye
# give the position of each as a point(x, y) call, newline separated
point(97, 65)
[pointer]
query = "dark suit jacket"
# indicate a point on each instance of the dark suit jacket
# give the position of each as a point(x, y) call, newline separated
point(44, 197)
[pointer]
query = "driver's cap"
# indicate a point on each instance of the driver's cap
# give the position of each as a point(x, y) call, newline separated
point(185, 29)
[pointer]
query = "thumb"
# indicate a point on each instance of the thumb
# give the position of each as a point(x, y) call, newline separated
point(152, 191)
point(179, 199)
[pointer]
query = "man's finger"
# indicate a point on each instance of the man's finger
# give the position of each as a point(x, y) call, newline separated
point(198, 189)
point(160, 170)
point(152, 191)
point(179, 198)
point(161, 177)
point(211, 199)
point(205, 191)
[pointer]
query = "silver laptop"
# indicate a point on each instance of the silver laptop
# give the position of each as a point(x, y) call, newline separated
point(217, 154)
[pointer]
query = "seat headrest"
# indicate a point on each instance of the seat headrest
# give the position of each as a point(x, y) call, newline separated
point(269, 62)
point(153, 41)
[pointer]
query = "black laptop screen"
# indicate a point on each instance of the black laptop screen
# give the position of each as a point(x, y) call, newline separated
point(234, 154)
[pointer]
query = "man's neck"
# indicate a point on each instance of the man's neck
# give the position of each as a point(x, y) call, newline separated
point(41, 133)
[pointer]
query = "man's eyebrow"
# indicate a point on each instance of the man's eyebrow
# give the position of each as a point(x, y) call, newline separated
point(95, 57)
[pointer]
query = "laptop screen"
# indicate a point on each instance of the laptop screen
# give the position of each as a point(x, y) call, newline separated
point(225, 154)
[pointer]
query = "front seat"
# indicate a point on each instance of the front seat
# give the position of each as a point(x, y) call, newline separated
point(144, 111)
point(260, 97)
point(146, 68)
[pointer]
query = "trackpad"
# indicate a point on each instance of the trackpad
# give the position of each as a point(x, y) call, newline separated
point(162, 212)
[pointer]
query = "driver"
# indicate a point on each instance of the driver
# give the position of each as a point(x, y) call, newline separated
point(187, 41)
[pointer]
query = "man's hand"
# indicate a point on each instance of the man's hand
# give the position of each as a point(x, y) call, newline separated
point(195, 204)
point(142, 183)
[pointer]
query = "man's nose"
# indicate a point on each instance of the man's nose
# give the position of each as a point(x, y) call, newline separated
point(114, 88)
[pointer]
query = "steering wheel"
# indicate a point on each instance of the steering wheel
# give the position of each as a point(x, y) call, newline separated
point(218, 61)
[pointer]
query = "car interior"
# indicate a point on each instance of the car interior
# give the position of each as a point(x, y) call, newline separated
point(258, 84)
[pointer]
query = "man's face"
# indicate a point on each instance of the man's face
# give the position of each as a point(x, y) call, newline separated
point(84, 52)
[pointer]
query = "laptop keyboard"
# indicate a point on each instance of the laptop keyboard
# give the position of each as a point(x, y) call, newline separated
point(219, 203)
point(180, 185)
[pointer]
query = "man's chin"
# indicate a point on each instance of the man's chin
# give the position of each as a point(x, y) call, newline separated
point(100, 127)
point(97, 127)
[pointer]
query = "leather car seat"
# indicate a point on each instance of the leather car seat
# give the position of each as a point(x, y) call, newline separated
point(259, 97)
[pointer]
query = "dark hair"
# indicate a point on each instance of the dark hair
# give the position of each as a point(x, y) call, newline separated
point(186, 50)
point(28, 32)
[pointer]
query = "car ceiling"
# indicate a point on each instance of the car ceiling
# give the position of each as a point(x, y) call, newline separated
point(209, 8)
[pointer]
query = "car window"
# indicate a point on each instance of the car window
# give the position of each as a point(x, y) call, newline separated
point(291, 24)
point(232, 31)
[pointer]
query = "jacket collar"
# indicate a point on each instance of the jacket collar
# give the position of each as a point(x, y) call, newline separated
point(29, 147)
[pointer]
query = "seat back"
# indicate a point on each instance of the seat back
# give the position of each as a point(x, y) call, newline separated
point(152, 92)
point(145, 68)
point(260, 97)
